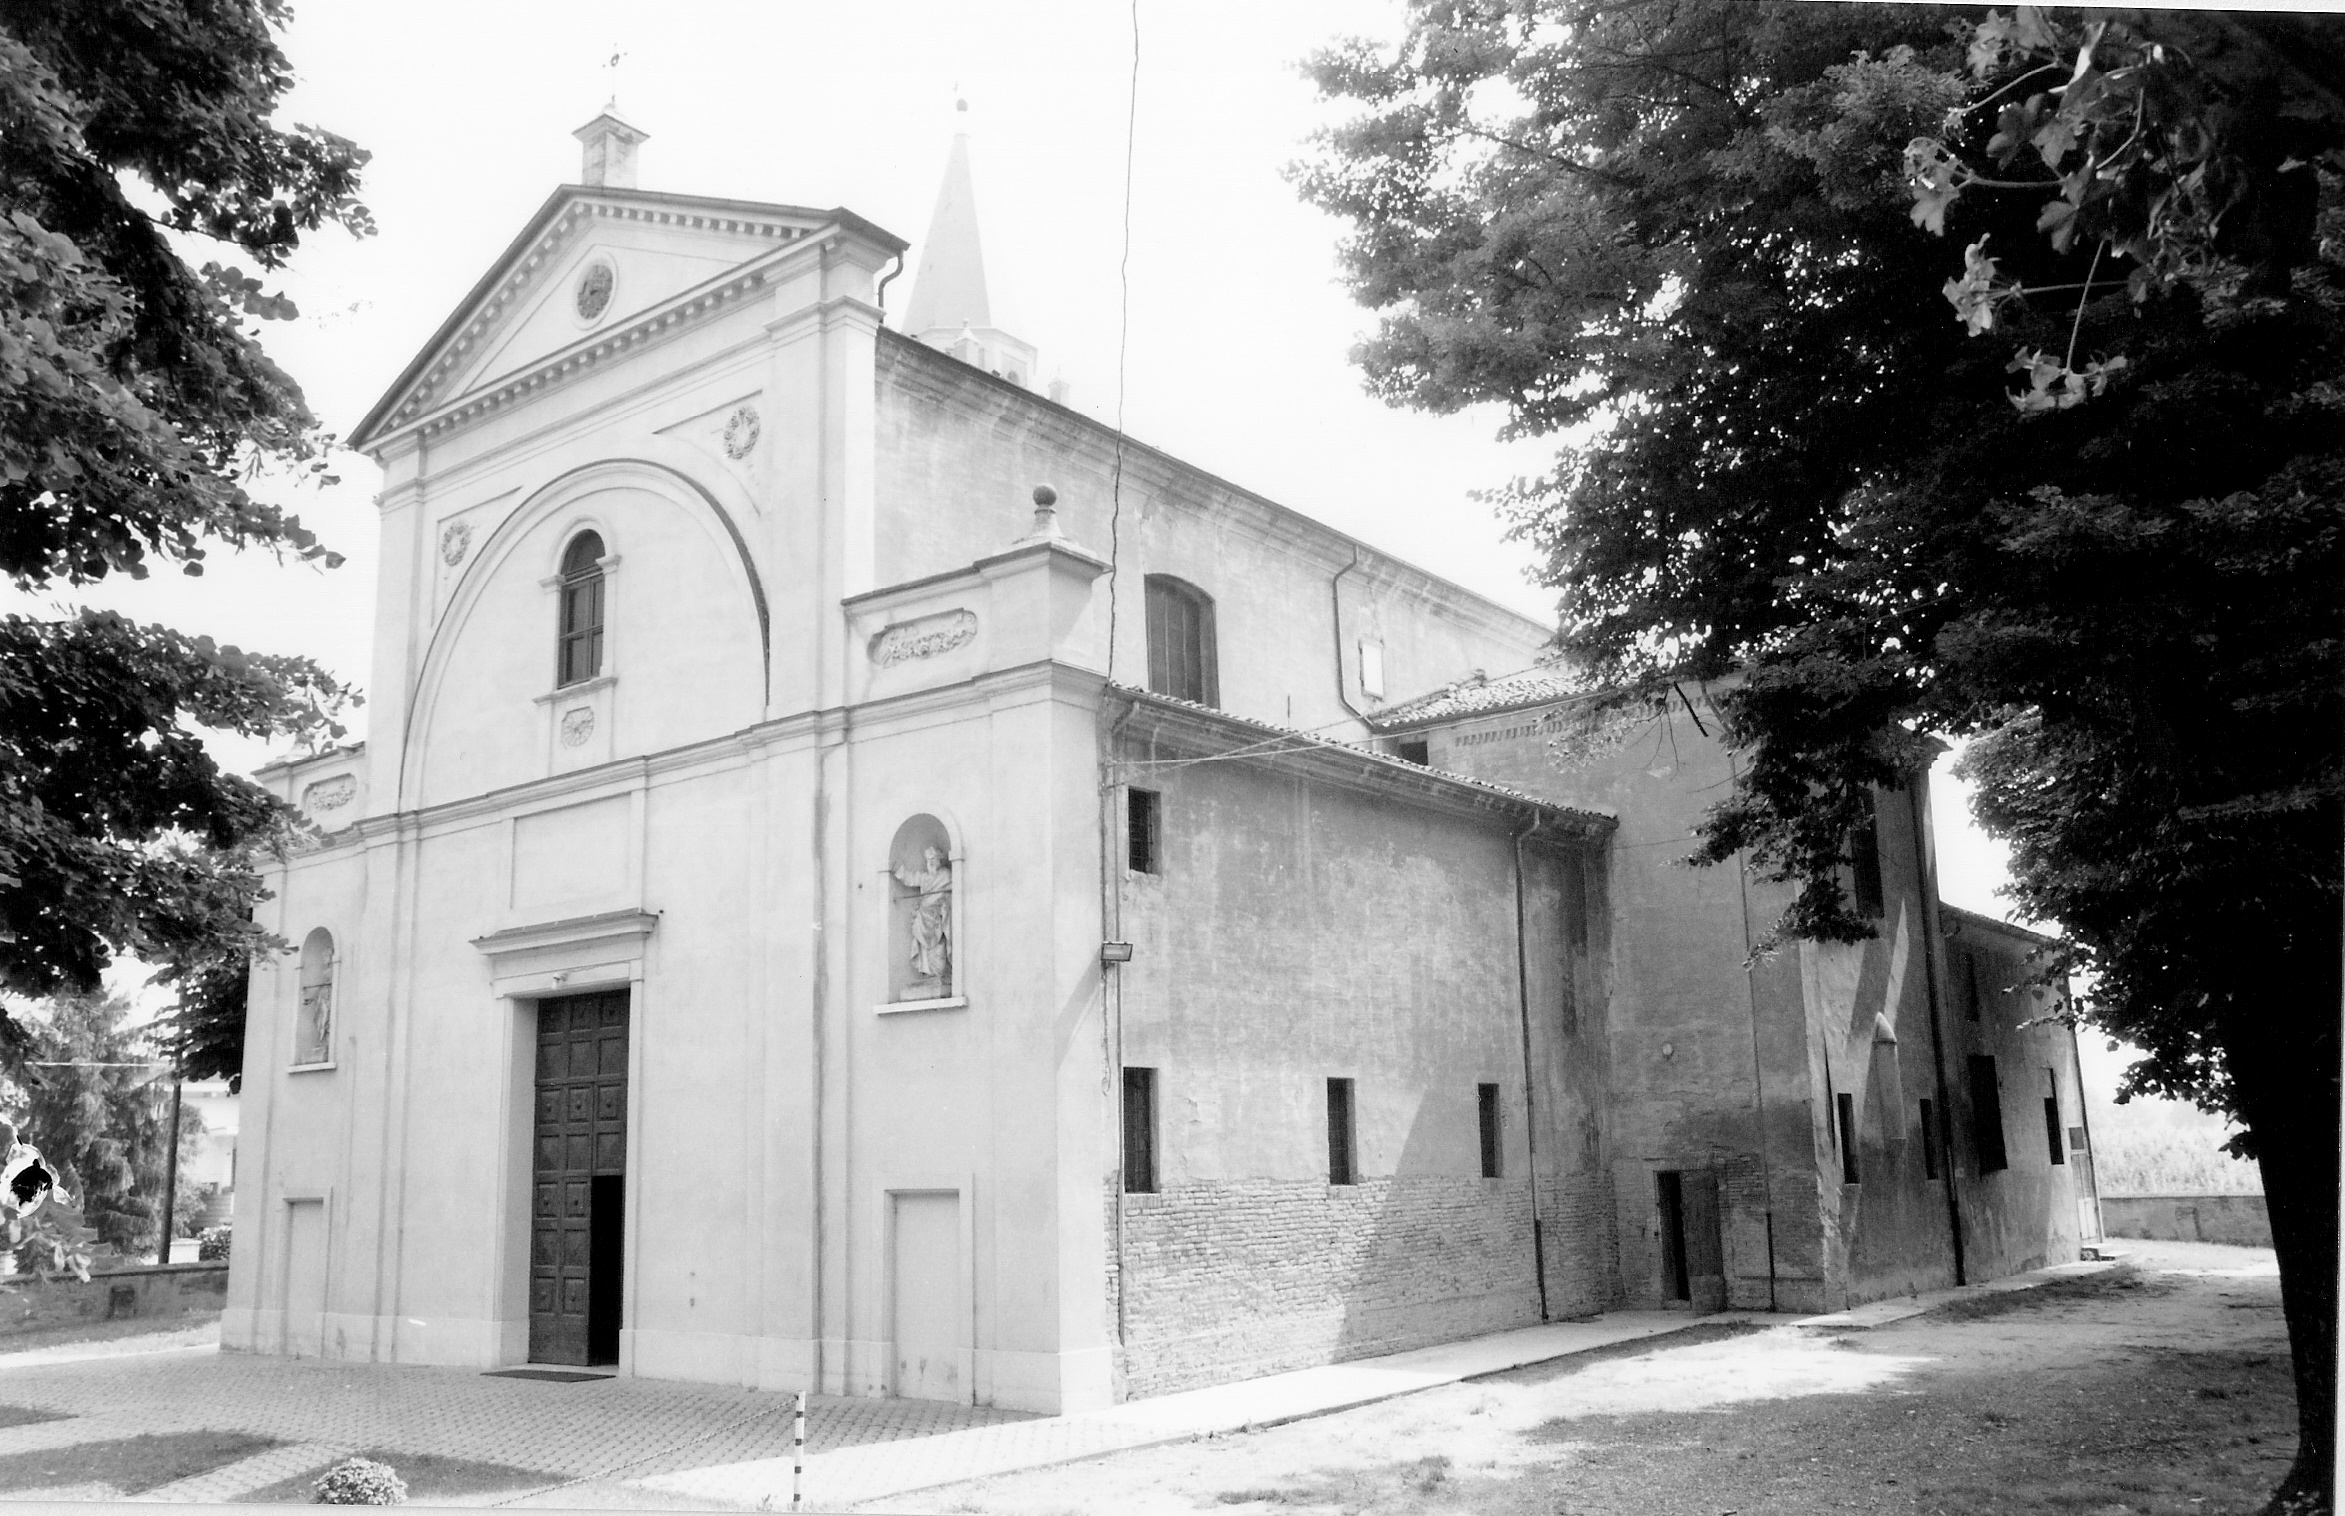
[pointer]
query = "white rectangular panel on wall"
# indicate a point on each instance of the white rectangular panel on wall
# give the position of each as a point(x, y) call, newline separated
point(305, 1278)
point(577, 853)
point(927, 1268)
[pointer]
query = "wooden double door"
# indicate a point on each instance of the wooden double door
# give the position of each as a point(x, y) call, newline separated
point(577, 1232)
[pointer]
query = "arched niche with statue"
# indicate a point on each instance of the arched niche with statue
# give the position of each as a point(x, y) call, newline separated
point(926, 944)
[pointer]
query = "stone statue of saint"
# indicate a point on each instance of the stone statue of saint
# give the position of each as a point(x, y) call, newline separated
point(317, 1012)
point(932, 916)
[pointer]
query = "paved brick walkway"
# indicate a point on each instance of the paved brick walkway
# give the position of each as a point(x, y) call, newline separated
point(608, 1428)
point(651, 1443)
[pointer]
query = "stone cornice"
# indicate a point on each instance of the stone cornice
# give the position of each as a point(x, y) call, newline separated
point(569, 209)
point(668, 319)
point(1195, 731)
point(1959, 920)
point(711, 754)
point(607, 926)
point(410, 404)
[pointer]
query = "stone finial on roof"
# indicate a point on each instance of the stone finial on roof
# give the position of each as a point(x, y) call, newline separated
point(607, 157)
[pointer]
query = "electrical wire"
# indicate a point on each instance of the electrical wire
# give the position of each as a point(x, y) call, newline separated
point(1115, 489)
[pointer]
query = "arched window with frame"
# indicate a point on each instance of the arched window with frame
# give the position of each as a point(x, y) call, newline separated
point(313, 1025)
point(580, 652)
point(1182, 658)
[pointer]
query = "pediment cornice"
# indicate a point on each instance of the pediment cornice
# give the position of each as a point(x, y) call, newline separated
point(425, 393)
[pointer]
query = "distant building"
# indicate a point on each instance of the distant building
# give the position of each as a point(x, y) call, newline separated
point(816, 908)
point(1837, 1123)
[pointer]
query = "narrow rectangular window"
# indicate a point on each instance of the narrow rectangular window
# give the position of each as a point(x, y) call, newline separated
point(1486, 1099)
point(1864, 857)
point(1340, 1168)
point(1986, 1114)
point(1143, 812)
point(1140, 1131)
point(2052, 1117)
point(1372, 670)
point(1846, 1105)
point(1929, 1140)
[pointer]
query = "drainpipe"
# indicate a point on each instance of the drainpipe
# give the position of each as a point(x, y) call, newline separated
point(1522, 980)
point(1335, 600)
point(1933, 971)
point(1111, 985)
point(880, 295)
point(1750, 979)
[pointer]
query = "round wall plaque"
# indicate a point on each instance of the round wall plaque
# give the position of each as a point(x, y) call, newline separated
point(594, 291)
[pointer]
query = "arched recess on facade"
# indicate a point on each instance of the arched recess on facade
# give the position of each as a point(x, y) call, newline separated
point(313, 1016)
point(927, 933)
point(569, 501)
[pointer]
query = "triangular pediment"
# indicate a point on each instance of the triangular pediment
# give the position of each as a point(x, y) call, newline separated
point(589, 261)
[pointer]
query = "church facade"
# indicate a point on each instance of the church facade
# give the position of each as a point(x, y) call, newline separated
point(852, 883)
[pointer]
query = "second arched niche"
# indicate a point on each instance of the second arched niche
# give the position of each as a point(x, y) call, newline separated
point(923, 923)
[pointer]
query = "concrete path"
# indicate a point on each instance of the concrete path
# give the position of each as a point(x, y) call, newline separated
point(649, 1443)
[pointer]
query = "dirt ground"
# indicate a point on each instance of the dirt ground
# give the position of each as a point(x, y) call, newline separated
point(2159, 1388)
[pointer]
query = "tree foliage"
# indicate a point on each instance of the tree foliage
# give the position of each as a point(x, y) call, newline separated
point(99, 1109)
point(1705, 243)
point(136, 406)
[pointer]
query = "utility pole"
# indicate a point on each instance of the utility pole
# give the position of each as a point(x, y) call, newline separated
point(170, 1166)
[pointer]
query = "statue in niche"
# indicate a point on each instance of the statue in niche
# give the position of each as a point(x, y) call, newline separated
point(932, 922)
point(317, 1021)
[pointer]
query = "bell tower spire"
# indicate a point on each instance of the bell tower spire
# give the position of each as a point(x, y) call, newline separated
point(950, 308)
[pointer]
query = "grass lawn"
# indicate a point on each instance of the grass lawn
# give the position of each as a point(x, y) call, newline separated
point(429, 1478)
point(132, 1465)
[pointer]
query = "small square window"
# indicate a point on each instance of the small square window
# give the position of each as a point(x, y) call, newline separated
point(1143, 820)
point(1414, 750)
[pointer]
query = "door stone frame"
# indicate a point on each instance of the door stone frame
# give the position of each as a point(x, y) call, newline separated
point(529, 963)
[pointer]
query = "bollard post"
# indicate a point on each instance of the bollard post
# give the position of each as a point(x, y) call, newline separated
point(798, 1458)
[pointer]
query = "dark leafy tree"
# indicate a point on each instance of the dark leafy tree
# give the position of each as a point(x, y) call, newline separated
point(1721, 237)
point(136, 406)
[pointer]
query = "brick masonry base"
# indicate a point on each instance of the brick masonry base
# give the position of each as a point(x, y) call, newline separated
point(1226, 1279)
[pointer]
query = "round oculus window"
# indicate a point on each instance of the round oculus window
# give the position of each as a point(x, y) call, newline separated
point(594, 291)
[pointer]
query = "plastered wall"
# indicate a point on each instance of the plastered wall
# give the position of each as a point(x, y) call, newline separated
point(1297, 931)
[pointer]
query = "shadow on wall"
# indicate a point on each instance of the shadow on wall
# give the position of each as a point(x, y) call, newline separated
point(1434, 1251)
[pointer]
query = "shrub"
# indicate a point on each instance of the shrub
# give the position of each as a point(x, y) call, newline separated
point(361, 1481)
point(211, 1245)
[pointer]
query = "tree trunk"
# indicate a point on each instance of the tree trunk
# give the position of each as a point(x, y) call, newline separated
point(2285, 1068)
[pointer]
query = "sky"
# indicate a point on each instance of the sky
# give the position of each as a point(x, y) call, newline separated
point(1222, 313)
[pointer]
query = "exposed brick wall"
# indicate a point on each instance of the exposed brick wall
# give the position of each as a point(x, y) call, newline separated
point(1226, 1279)
point(1583, 1254)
